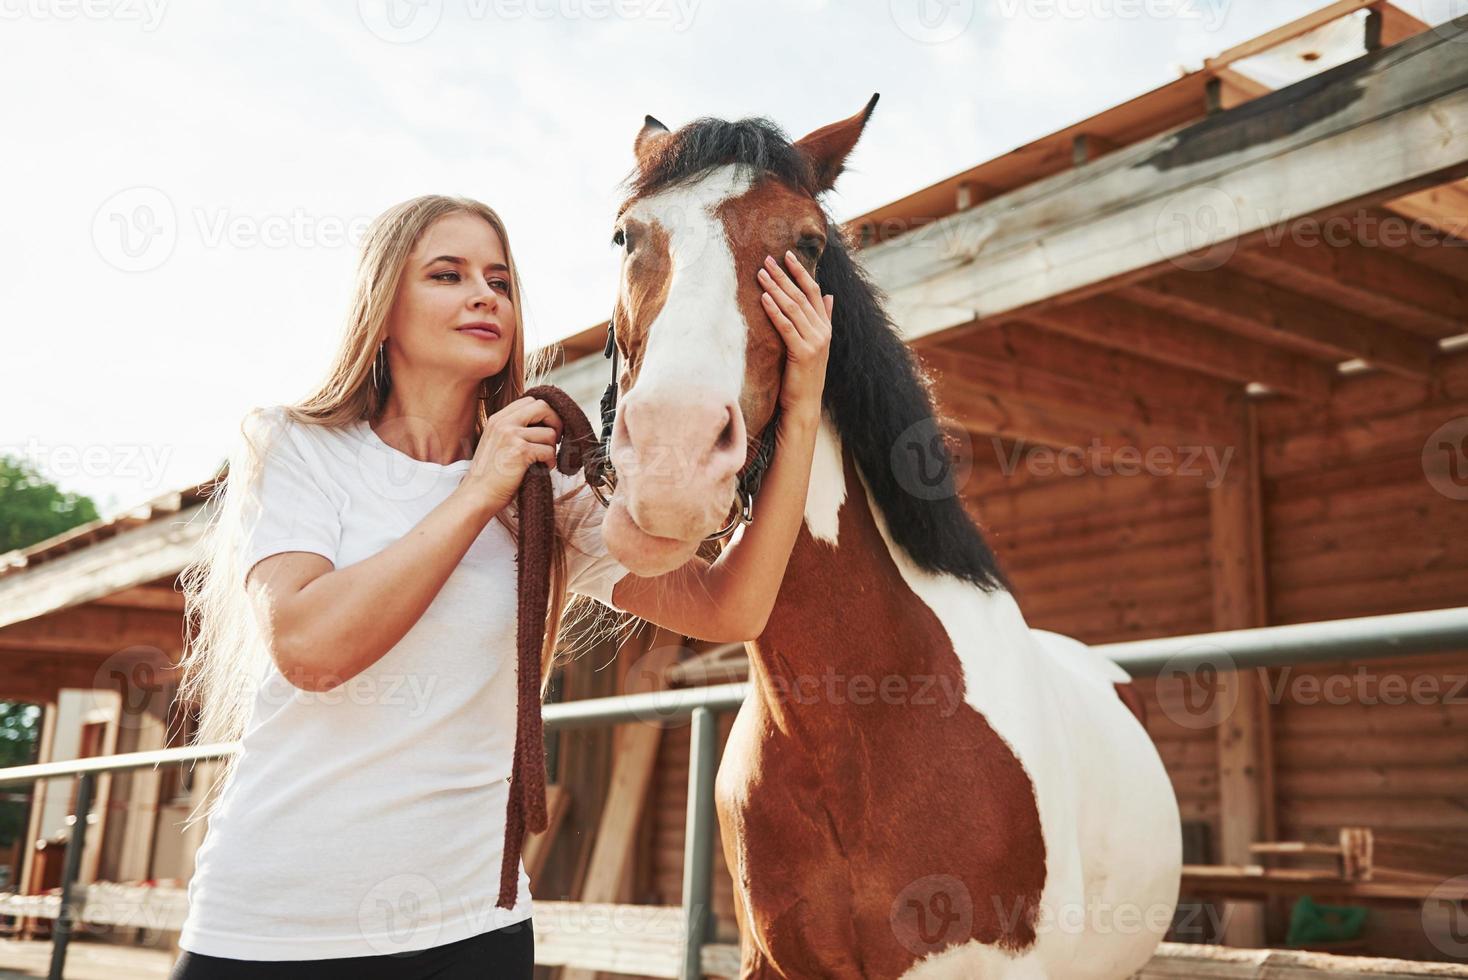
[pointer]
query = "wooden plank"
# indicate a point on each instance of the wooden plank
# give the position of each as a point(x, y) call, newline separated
point(1179, 961)
point(1373, 280)
point(1263, 311)
point(1401, 114)
point(1019, 402)
point(1185, 343)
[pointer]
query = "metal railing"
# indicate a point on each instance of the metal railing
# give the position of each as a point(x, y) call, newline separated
point(1376, 637)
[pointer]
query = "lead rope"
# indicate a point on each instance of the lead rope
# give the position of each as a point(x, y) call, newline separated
point(525, 811)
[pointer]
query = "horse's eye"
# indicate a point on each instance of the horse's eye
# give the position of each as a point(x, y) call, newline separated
point(617, 237)
point(810, 247)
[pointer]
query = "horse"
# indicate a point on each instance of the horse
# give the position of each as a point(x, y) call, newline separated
point(918, 784)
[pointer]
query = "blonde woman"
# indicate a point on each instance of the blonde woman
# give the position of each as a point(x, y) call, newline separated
point(354, 616)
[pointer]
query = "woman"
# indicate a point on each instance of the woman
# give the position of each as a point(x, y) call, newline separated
point(355, 618)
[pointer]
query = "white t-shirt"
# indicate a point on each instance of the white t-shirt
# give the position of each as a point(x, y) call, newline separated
point(370, 819)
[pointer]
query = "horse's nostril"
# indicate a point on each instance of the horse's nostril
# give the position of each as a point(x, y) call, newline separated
point(726, 437)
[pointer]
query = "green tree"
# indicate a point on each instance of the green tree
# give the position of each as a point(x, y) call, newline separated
point(32, 509)
point(17, 748)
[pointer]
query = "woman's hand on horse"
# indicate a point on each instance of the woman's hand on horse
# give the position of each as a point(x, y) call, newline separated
point(802, 316)
point(523, 432)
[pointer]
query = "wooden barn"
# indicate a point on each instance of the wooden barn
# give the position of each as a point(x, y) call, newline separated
point(1205, 360)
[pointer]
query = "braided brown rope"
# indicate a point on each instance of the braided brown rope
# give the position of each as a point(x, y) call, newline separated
point(526, 810)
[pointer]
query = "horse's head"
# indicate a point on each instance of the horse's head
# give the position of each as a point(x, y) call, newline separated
point(701, 362)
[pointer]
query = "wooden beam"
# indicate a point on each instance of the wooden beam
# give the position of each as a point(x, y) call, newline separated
point(1397, 24)
point(1187, 344)
point(1245, 760)
point(1400, 116)
point(1375, 281)
point(1265, 312)
point(1288, 32)
point(1236, 88)
point(1443, 208)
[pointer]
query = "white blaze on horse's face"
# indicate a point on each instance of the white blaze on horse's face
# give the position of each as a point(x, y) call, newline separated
point(680, 436)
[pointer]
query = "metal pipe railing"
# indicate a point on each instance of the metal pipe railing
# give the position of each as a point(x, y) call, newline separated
point(1376, 637)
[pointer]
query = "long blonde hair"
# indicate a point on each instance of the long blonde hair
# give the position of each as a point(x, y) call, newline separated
point(225, 654)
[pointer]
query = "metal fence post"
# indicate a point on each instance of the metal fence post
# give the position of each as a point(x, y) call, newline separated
point(66, 915)
point(698, 847)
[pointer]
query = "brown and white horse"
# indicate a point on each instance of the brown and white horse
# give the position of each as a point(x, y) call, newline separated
point(919, 785)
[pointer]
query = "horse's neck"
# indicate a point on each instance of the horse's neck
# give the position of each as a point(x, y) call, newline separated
point(828, 484)
point(841, 576)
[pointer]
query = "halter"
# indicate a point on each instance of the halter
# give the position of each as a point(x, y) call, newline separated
point(601, 476)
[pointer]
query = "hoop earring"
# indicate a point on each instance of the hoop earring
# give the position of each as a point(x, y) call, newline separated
point(380, 376)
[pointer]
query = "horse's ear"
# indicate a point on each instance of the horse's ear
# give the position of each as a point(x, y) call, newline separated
point(828, 147)
point(649, 137)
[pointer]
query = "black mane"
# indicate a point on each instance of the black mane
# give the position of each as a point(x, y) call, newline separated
point(877, 396)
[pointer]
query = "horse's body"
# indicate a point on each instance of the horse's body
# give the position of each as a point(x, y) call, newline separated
point(999, 812)
point(919, 785)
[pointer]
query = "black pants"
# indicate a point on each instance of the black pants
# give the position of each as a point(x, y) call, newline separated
point(507, 953)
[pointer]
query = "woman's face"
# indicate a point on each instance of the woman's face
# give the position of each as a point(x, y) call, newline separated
point(455, 277)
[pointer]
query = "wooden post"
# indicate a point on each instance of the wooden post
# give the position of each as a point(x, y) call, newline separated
point(1245, 767)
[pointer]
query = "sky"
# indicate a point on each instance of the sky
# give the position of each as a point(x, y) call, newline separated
point(183, 185)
